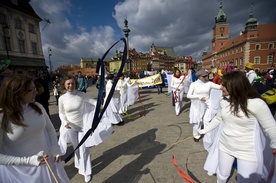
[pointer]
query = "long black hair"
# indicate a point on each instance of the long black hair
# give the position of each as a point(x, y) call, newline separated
point(240, 90)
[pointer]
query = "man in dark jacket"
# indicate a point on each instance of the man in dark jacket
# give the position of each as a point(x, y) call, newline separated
point(41, 82)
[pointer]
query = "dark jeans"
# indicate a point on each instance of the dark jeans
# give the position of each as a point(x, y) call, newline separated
point(159, 89)
point(57, 99)
point(173, 102)
point(84, 90)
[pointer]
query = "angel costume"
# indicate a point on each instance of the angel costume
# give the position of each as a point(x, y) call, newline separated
point(197, 91)
point(121, 87)
point(20, 151)
point(178, 89)
point(112, 111)
point(71, 110)
point(242, 137)
point(187, 81)
point(132, 91)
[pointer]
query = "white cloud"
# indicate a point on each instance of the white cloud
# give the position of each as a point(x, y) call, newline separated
point(185, 25)
point(162, 22)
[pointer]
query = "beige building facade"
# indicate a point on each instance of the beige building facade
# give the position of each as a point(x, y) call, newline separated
point(20, 37)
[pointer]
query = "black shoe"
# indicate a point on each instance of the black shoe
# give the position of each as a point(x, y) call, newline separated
point(121, 123)
point(196, 140)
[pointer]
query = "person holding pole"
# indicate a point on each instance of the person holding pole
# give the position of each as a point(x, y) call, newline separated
point(29, 150)
point(177, 90)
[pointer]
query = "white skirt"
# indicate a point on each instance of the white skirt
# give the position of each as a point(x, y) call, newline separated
point(33, 174)
point(197, 111)
point(132, 94)
point(262, 149)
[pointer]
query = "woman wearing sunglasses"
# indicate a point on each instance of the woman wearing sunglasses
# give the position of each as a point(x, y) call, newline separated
point(28, 140)
point(199, 93)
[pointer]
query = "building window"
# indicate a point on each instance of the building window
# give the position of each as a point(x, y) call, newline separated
point(270, 46)
point(258, 46)
point(34, 48)
point(241, 48)
point(21, 44)
point(270, 59)
point(241, 61)
point(18, 24)
point(7, 43)
point(32, 28)
point(257, 60)
point(3, 19)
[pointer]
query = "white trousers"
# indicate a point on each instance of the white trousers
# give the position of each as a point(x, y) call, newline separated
point(178, 103)
point(82, 154)
point(246, 169)
point(123, 103)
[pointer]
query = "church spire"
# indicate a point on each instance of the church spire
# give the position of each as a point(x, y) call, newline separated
point(221, 17)
point(252, 22)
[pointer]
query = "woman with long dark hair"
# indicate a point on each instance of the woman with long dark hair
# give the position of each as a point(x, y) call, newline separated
point(28, 139)
point(240, 115)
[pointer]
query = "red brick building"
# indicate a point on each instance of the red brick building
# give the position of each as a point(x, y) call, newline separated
point(255, 44)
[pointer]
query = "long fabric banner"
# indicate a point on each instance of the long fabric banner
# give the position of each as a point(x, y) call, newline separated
point(148, 81)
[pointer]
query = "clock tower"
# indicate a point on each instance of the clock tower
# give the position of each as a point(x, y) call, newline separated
point(220, 30)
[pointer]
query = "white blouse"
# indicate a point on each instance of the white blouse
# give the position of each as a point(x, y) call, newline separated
point(238, 133)
point(71, 107)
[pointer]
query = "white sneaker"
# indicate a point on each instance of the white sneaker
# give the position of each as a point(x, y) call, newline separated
point(87, 178)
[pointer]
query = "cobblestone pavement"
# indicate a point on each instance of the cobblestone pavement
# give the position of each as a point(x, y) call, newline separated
point(141, 150)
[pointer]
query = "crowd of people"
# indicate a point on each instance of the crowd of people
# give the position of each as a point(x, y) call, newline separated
point(238, 118)
point(226, 111)
point(28, 141)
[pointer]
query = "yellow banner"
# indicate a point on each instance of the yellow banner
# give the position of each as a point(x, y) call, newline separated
point(148, 81)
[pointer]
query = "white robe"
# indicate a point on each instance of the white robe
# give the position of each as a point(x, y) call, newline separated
point(39, 136)
point(112, 110)
point(132, 94)
point(187, 81)
point(122, 88)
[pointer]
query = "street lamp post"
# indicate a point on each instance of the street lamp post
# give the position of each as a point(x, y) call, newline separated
point(50, 54)
point(126, 31)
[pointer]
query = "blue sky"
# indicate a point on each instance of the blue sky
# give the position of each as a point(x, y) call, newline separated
point(92, 12)
point(87, 28)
